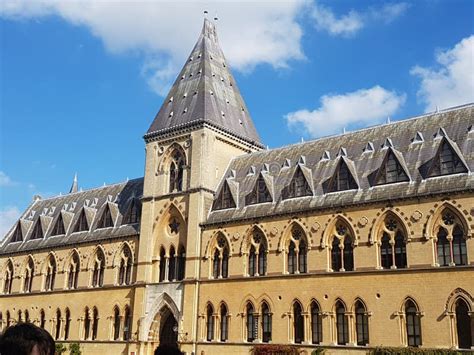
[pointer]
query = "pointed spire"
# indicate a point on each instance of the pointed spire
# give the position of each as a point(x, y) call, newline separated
point(74, 188)
point(215, 98)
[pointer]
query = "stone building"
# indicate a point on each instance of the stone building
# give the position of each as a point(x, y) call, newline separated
point(348, 242)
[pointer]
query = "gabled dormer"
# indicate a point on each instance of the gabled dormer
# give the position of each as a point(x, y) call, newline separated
point(298, 186)
point(446, 160)
point(342, 178)
point(17, 234)
point(133, 213)
point(81, 223)
point(37, 230)
point(224, 198)
point(259, 193)
point(58, 228)
point(391, 170)
point(106, 220)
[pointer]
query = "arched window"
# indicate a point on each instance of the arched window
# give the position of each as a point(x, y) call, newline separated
point(259, 193)
point(116, 323)
point(67, 324)
point(220, 258)
point(87, 324)
point(341, 324)
point(9, 319)
point(50, 274)
point(298, 186)
point(181, 263)
point(176, 172)
point(133, 213)
point(390, 171)
point(125, 269)
point(451, 241)
point(342, 250)
point(224, 323)
point(463, 325)
point(98, 271)
point(258, 255)
point(29, 273)
point(446, 161)
point(298, 323)
point(172, 265)
point(7, 286)
point(251, 323)
point(73, 273)
point(57, 332)
point(266, 323)
point(316, 324)
point(27, 316)
point(127, 324)
point(42, 319)
point(106, 220)
point(413, 324)
point(162, 265)
point(210, 323)
point(95, 323)
point(297, 252)
point(362, 324)
point(393, 253)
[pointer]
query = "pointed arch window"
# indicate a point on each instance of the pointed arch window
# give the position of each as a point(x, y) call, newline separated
point(37, 231)
point(297, 252)
point(42, 319)
point(98, 269)
point(342, 325)
point(316, 324)
point(176, 172)
point(8, 319)
point(125, 268)
point(73, 272)
point(133, 214)
point(266, 323)
point(59, 226)
point(210, 323)
point(393, 254)
point(446, 161)
point(116, 323)
point(252, 326)
point(224, 326)
point(362, 324)
point(298, 186)
point(29, 274)
point(7, 286)
point(127, 324)
point(298, 323)
point(258, 255)
point(67, 324)
point(225, 199)
point(27, 316)
point(57, 332)
point(342, 250)
point(17, 234)
point(259, 194)
point(106, 220)
point(463, 325)
point(413, 324)
point(342, 179)
point(180, 263)
point(451, 241)
point(220, 259)
point(87, 324)
point(172, 265)
point(82, 224)
point(50, 274)
point(162, 265)
point(391, 170)
point(95, 323)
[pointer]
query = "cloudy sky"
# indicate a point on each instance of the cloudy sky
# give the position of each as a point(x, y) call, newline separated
point(82, 80)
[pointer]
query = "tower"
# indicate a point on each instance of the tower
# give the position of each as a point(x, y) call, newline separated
point(202, 124)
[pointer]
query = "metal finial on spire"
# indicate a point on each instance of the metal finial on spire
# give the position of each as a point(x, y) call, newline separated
point(215, 17)
point(73, 188)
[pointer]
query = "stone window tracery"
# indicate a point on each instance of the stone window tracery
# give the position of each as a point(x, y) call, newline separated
point(125, 268)
point(29, 274)
point(257, 260)
point(297, 252)
point(342, 257)
point(8, 280)
point(392, 245)
point(220, 258)
point(50, 274)
point(98, 269)
point(176, 172)
point(450, 242)
point(73, 272)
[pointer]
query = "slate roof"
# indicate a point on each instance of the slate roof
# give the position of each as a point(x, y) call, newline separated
point(414, 142)
point(117, 197)
point(205, 92)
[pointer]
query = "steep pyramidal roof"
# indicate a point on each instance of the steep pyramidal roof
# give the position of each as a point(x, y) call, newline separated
point(205, 92)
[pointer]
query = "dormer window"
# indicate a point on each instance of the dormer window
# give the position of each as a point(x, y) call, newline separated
point(224, 199)
point(106, 221)
point(446, 161)
point(176, 172)
point(391, 170)
point(82, 224)
point(342, 179)
point(298, 186)
point(259, 194)
point(133, 214)
point(59, 226)
point(37, 231)
point(17, 234)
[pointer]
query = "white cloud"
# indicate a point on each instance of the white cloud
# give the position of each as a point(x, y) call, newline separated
point(451, 83)
point(8, 217)
point(350, 23)
point(349, 110)
point(5, 180)
point(250, 33)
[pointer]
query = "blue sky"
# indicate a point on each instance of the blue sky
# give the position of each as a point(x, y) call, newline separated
point(81, 81)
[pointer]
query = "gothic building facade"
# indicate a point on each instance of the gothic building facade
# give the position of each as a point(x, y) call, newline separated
point(348, 242)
